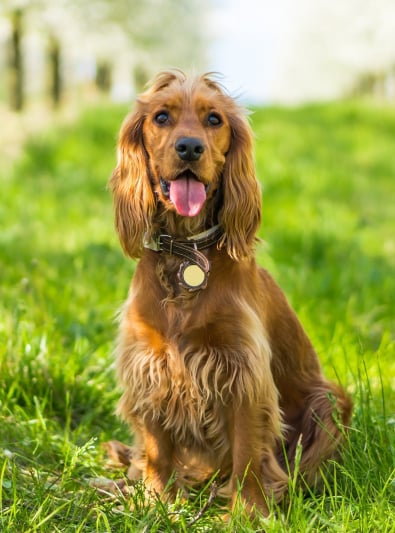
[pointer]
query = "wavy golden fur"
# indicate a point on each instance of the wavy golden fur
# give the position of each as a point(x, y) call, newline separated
point(222, 378)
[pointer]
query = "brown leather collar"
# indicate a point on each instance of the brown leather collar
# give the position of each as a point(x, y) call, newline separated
point(188, 249)
point(172, 246)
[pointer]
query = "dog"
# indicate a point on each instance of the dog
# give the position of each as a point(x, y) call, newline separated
point(217, 373)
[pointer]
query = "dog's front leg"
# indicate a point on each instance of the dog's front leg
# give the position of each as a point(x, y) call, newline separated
point(159, 457)
point(246, 456)
point(256, 473)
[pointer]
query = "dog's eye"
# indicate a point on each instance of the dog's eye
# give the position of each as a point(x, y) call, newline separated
point(214, 119)
point(162, 117)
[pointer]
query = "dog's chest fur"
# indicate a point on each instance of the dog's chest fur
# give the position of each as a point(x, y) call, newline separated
point(188, 392)
point(181, 371)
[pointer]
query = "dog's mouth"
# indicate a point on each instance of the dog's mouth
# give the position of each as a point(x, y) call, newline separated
point(186, 192)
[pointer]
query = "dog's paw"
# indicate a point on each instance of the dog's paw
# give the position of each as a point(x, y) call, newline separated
point(118, 454)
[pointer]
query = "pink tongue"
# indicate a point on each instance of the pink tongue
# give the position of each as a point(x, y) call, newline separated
point(188, 196)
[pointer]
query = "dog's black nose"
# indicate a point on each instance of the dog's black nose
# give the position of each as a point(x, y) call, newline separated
point(189, 148)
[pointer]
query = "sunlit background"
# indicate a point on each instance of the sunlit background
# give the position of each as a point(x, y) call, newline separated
point(69, 71)
point(283, 51)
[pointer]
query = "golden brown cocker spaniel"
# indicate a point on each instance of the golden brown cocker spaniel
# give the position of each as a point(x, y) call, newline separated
point(217, 372)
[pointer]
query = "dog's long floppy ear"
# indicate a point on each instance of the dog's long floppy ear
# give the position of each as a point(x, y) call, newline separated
point(241, 212)
point(134, 201)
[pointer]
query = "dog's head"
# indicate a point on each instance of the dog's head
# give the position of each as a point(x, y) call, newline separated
point(185, 144)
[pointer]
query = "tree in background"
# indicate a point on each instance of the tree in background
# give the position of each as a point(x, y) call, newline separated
point(15, 64)
point(330, 48)
point(143, 36)
point(104, 76)
point(54, 58)
point(104, 40)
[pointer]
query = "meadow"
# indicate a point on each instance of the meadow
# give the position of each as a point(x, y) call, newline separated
point(328, 180)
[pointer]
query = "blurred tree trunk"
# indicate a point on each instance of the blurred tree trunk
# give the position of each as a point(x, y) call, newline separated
point(104, 76)
point(15, 62)
point(54, 71)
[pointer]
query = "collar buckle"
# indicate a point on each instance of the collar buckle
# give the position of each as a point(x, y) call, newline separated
point(156, 243)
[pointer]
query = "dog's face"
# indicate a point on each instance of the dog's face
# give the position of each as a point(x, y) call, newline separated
point(185, 140)
point(187, 135)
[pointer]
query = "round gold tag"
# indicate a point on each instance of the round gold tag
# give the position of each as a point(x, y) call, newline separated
point(192, 276)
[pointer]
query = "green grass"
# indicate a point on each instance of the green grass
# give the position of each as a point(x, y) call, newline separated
point(328, 175)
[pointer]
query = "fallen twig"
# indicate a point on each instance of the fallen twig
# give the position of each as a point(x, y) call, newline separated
point(207, 505)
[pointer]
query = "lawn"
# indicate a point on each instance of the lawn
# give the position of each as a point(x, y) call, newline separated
point(328, 176)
